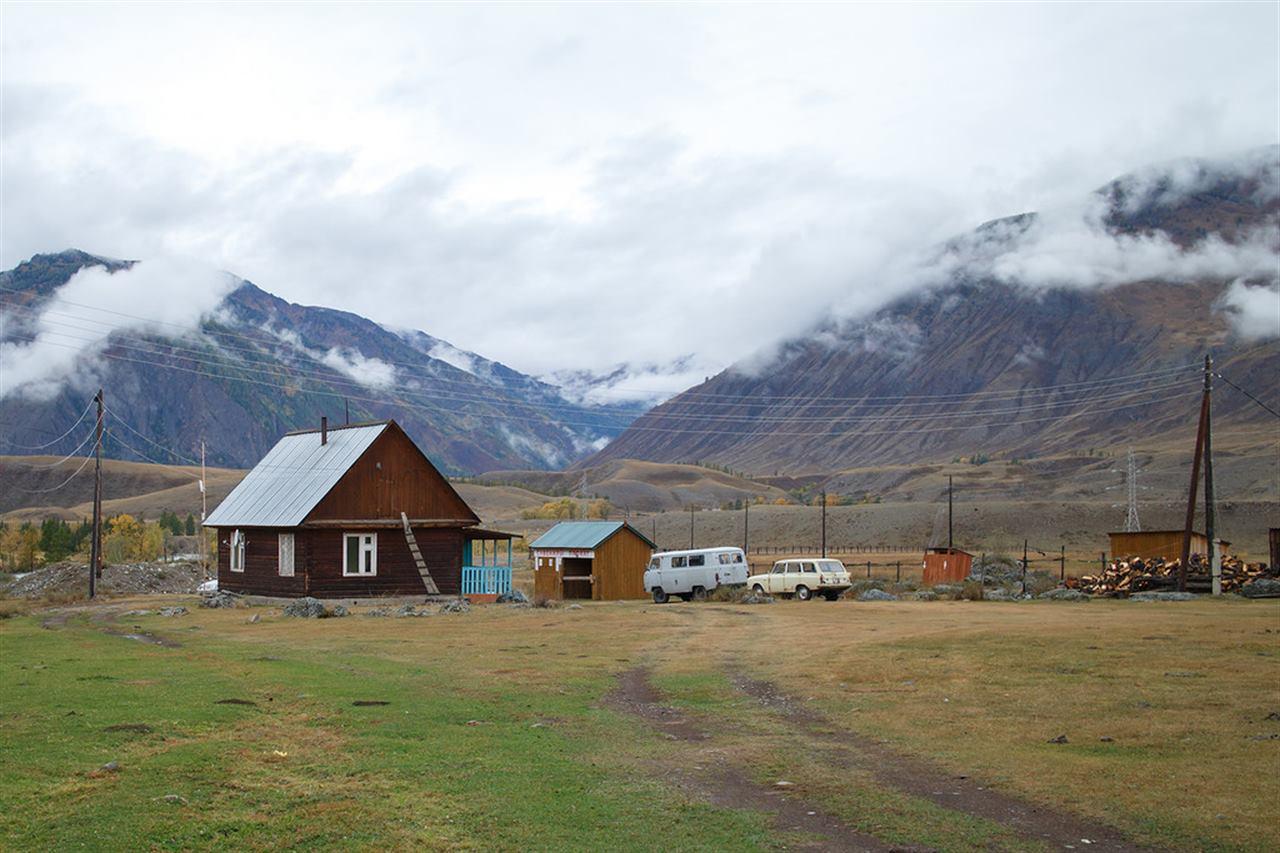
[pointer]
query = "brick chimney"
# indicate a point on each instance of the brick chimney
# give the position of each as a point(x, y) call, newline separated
point(324, 431)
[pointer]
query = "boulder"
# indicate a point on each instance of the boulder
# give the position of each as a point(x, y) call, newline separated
point(1162, 596)
point(1064, 594)
point(173, 611)
point(998, 594)
point(337, 611)
point(876, 595)
point(515, 596)
point(305, 608)
point(923, 595)
point(757, 598)
point(1261, 588)
point(456, 605)
point(221, 598)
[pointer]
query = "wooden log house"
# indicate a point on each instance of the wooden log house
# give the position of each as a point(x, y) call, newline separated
point(352, 511)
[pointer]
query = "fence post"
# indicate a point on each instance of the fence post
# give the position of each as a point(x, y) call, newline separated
point(898, 576)
point(868, 568)
point(1062, 565)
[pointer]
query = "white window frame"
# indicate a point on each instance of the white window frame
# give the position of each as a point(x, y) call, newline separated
point(284, 555)
point(370, 548)
point(236, 559)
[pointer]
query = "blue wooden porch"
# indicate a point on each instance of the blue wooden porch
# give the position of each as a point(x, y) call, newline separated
point(486, 570)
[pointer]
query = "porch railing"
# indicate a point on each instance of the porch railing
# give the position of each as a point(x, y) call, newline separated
point(486, 580)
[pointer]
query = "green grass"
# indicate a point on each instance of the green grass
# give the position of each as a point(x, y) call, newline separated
point(414, 773)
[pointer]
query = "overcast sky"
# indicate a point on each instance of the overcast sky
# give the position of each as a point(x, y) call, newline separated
point(565, 187)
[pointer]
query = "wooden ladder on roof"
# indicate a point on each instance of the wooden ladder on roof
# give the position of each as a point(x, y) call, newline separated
point(432, 589)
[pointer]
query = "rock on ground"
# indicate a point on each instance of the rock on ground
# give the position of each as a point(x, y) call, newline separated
point(1064, 595)
point(306, 608)
point(876, 595)
point(457, 605)
point(923, 595)
point(222, 598)
point(173, 611)
point(1261, 588)
point(1162, 596)
point(70, 577)
point(515, 596)
point(757, 598)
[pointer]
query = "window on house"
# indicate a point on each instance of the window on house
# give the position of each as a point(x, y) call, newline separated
point(286, 555)
point(697, 559)
point(360, 554)
point(237, 551)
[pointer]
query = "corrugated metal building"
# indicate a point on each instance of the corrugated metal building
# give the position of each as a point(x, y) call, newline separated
point(600, 560)
point(349, 511)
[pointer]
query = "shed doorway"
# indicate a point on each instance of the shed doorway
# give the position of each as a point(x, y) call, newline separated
point(576, 577)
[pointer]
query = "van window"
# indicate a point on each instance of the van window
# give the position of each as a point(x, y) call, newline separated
point(808, 567)
point(654, 563)
point(697, 559)
point(737, 558)
point(677, 562)
point(724, 559)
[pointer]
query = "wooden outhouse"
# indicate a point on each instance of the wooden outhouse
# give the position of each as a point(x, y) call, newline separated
point(599, 560)
point(946, 565)
point(351, 511)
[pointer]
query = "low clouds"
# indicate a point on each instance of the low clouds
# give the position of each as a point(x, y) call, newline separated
point(587, 188)
point(56, 342)
point(1254, 310)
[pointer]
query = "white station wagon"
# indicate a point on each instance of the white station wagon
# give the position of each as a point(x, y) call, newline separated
point(803, 578)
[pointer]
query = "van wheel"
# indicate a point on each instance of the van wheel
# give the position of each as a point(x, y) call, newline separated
point(802, 593)
point(699, 593)
point(659, 597)
point(757, 589)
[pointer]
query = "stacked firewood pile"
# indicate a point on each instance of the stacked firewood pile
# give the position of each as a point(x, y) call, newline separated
point(1138, 574)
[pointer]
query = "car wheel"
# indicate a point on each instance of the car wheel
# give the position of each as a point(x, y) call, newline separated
point(699, 593)
point(757, 589)
point(802, 593)
point(659, 597)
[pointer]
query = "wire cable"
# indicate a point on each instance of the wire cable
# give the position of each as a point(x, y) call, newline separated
point(142, 455)
point(70, 429)
point(86, 461)
point(1247, 394)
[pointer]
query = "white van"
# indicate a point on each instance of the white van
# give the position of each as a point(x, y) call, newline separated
point(692, 574)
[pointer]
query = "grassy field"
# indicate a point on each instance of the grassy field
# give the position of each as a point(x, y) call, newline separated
point(502, 728)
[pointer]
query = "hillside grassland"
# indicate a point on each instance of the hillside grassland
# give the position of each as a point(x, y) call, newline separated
point(500, 729)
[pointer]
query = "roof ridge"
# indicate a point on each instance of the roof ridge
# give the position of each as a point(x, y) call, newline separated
point(332, 428)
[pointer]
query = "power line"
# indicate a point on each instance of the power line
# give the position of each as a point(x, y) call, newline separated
point(274, 371)
point(641, 428)
point(86, 461)
point(1247, 394)
point(120, 420)
point(70, 429)
point(79, 447)
point(690, 393)
point(142, 455)
point(333, 376)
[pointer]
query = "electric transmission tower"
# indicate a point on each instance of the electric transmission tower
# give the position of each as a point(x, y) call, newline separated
point(1131, 522)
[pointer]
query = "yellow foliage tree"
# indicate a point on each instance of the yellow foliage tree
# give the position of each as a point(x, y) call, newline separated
point(599, 509)
point(128, 539)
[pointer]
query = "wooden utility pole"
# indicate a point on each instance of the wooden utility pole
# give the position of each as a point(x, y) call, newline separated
point(204, 511)
point(1209, 509)
point(746, 527)
point(950, 529)
point(823, 498)
point(690, 528)
point(1024, 567)
point(1195, 478)
point(95, 549)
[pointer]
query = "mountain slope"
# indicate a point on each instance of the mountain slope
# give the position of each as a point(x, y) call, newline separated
point(990, 355)
point(258, 366)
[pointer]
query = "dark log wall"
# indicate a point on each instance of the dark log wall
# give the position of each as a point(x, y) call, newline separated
point(261, 575)
point(390, 478)
point(318, 564)
point(397, 572)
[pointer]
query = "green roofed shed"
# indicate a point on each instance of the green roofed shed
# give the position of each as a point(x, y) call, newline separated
point(599, 560)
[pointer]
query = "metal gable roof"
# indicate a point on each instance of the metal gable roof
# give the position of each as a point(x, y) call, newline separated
point(293, 477)
point(581, 534)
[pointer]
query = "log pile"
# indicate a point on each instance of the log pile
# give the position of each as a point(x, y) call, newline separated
point(1138, 574)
